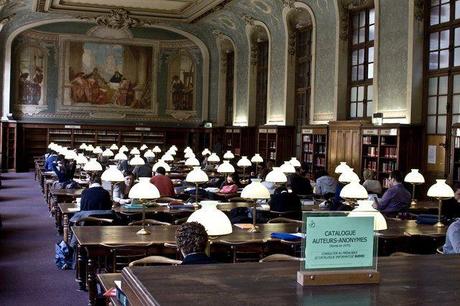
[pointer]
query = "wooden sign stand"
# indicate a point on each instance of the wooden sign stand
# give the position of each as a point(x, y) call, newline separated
point(345, 277)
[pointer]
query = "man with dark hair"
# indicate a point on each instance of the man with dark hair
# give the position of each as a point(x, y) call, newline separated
point(396, 198)
point(163, 183)
point(192, 239)
point(95, 197)
point(451, 208)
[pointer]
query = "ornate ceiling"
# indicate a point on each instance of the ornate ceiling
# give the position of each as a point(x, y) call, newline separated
point(149, 10)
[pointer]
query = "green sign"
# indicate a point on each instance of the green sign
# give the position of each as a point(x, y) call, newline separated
point(339, 242)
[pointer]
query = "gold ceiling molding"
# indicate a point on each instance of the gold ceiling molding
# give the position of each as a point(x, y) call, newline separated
point(117, 19)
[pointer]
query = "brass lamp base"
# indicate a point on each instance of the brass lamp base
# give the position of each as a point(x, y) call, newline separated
point(143, 231)
point(254, 229)
point(413, 203)
point(439, 224)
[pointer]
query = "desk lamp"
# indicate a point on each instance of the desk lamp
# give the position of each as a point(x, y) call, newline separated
point(440, 191)
point(213, 159)
point(353, 191)
point(70, 154)
point(172, 152)
point(173, 147)
point(123, 149)
point(112, 175)
point(257, 159)
point(276, 176)
point(341, 167)
point(82, 146)
point(188, 149)
point(415, 178)
point(107, 153)
point(51, 145)
point(144, 190)
point(255, 191)
point(365, 209)
point(156, 150)
point(161, 163)
point(89, 148)
point(97, 150)
point(81, 160)
point(92, 166)
point(113, 147)
point(348, 175)
point(189, 154)
point(135, 151)
point(136, 161)
point(167, 157)
point(226, 168)
point(196, 176)
point(143, 147)
point(149, 154)
point(229, 155)
point(287, 168)
point(192, 162)
point(214, 221)
point(120, 156)
point(295, 162)
point(244, 162)
point(206, 152)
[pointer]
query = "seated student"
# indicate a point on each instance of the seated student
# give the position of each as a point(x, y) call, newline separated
point(299, 183)
point(95, 197)
point(282, 201)
point(65, 171)
point(124, 166)
point(192, 239)
point(452, 244)
point(121, 190)
point(370, 183)
point(144, 170)
point(396, 198)
point(325, 184)
point(228, 188)
point(163, 183)
point(50, 159)
point(451, 208)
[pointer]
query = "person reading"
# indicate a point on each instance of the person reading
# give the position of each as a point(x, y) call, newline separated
point(452, 244)
point(192, 239)
point(451, 208)
point(163, 183)
point(121, 190)
point(396, 198)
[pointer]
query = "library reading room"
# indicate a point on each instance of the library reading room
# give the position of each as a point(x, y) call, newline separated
point(229, 152)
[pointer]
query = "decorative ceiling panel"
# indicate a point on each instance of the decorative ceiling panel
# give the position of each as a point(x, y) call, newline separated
point(174, 10)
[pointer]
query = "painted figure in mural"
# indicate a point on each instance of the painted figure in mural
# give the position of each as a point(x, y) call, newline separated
point(125, 93)
point(36, 86)
point(30, 90)
point(177, 88)
point(116, 78)
point(78, 86)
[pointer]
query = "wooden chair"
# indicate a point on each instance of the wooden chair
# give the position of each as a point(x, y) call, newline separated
point(122, 255)
point(149, 222)
point(245, 250)
point(94, 221)
point(284, 220)
point(173, 246)
point(286, 214)
point(155, 260)
point(280, 257)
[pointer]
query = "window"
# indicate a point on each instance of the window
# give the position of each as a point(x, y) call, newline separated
point(302, 75)
point(361, 63)
point(443, 67)
point(229, 85)
point(262, 82)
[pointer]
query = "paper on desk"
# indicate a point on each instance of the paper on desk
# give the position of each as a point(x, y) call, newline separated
point(118, 283)
point(73, 209)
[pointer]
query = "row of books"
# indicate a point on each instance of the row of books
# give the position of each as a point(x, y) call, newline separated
point(387, 167)
point(367, 140)
point(390, 152)
point(372, 165)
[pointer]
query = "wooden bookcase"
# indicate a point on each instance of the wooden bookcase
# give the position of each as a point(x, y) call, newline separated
point(239, 140)
point(314, 149)
point(455, 155)
point(9, 136)
point(390, 147)
point(275, 143)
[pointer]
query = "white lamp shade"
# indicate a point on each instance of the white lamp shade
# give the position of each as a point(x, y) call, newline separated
point(123, 149)
point(51, 145)
point(143, 147)
point(192, 161)
point(414, 177)
point(440, 190)
point(341, 167)
point(353, 190)
point(244, 162)
point(144, 190)
point(97, 150)
point(173, 147)
point(134, 151)
point(171, 152)
point(167, 157)
point(90, 148)
point(149, 154)
point(196, 176)
point(70, 154)
point(189, 154)
point(113, 147)
point(188, 149)
point(257, 158)
point(365, 209)
point(81, 159)
point(136, 161)
point(295, 162)
point(156, 149)
point(213, 158)
point(348, 175)
point(92, 165)
point(112, 174)
point(214, 221)
point(120, 156)
point(206, 152)
point(255, 190)
point(229, 155)
point(226, 167)
point(82, 146)
point(276, 176)
point(107, 153)
point(287, 168)
point(163, 164)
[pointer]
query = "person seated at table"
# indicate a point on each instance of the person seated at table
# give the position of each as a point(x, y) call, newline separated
point(65, 170)
point(299, 183)
point(124, 166)
point(50, 159)
point(451, 208)
point(370, 183)
point(396, 198)
point(121, 190)
point(192, 239)
point(228, 188)
point(95, 197)
point(163, 183)
point(452, 244)
point(144, 170)
point(283, 201)
point(325, 184)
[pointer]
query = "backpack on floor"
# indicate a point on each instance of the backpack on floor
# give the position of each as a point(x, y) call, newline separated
point(63, 256)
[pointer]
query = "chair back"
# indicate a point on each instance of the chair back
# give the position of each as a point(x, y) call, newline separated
point(155, 261)
point(280, 257)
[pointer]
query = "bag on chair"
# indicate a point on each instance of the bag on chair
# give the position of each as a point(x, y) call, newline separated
point(63, 256)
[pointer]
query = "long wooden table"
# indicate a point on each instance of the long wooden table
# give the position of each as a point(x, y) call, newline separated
point(411, 280)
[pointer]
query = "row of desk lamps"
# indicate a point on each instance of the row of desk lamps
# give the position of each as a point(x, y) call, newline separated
point(214, 220)
point(353, 190)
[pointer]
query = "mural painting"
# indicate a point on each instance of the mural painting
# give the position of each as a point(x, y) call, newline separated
point(182, 79)
point(30, 80)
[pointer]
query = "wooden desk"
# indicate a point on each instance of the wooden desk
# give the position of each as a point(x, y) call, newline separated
point(107, 281)
point(96, 241)
point(414, 280)
point(64, 213)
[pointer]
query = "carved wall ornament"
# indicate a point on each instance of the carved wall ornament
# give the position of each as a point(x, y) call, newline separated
point(254, 55)
point(117, 19)
point(289, 3)
point(292, 43)
point(5, 20)
point(218, 34)
point(419, 10)
point(249, 20)
point(347, 5)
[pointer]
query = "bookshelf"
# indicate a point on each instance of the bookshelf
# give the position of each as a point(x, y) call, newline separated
point(275, 143)
point(314, 149)
point(239, 140)
point(9, 131)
